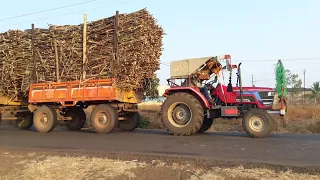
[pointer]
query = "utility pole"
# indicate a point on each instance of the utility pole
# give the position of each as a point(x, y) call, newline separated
point(304, 84)
point(252, 81)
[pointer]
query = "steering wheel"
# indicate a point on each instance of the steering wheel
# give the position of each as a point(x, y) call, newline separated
point(211, 82)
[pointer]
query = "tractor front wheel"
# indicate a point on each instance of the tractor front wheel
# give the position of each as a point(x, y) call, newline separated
point(182, 114)
point(257, 123)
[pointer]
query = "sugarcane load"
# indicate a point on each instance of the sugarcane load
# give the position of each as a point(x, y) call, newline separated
point(51, 75)
point(127, 48)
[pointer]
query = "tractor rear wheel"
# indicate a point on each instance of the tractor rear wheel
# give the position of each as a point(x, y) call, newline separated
point(207, 123)
point(182, 114)
point(78, 117)
point(257, 123)
point(131, 123)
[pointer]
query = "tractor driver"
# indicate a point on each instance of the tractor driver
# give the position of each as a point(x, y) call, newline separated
point(204, 90)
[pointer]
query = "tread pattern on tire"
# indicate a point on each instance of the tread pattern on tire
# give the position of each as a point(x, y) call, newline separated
point(26, 122)
point(46, 109)
point(131, 123)
point(76, 126)
point(207, 123)
point(265, 115)
point(113, 115)
point(198, 114)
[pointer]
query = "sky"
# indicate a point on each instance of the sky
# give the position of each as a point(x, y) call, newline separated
point(256, 33)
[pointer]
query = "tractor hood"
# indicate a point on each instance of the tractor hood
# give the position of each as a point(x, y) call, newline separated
point(262, 94)
point(254, 89)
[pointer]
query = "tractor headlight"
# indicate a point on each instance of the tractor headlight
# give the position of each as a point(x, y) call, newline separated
point(271, 93)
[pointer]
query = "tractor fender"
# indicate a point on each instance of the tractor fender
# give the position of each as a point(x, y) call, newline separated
point(191, 90)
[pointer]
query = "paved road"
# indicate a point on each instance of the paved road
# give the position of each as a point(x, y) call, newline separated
point(294, 150)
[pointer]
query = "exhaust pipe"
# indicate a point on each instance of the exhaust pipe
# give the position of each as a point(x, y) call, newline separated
point(240, 82)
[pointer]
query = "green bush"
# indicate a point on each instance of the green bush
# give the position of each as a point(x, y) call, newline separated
point(144, 123)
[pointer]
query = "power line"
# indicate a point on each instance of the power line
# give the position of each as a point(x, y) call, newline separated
point(275, 60)
point(165, 64)
point(304, 84)
point(47, 10)
point(292, 59)
point(125, 2)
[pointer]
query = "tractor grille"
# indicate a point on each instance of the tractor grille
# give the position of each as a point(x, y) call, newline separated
point(267, 97)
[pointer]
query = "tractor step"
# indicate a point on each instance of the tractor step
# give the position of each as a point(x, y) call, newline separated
point(216, 107)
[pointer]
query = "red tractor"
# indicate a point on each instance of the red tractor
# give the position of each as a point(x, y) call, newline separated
point(190, 108)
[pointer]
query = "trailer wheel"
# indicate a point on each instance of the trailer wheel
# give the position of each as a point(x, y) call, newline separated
point(45, 119)
point(78, 119)
point(182, 114)
point(25, 122)
point(131, 123)
point(104, 119)
point(207, 123)
point(257, 123)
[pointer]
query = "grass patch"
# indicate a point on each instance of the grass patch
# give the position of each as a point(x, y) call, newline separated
point(144, 123)
point(76, 168)
point(241, 173)
point(55, 167)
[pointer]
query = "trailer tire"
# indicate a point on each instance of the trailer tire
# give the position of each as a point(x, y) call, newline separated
point(78, 119)
point(131, 123)
point(106, 113)
point(45, 119)
point(179, 108)
point(257, 123)
point(207, 123)
point(26, 122)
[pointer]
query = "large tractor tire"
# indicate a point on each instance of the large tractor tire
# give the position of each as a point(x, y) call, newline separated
point(78, 119)
point(25, 122)
point(182, 114)
point(132, 121)
point(45, 119)
point(104, 119)
point(207, 123)
point(257, 123)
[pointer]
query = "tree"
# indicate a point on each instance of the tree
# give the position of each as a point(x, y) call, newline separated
point(294, 81)
point(150, 86)
point(288, 75)
point(315, 87)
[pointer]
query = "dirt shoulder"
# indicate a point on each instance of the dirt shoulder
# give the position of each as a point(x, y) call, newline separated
point(50, 164)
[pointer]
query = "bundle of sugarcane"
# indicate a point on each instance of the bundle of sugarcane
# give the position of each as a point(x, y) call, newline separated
point(131, 53)
point(139, 43)
point(15, 58)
